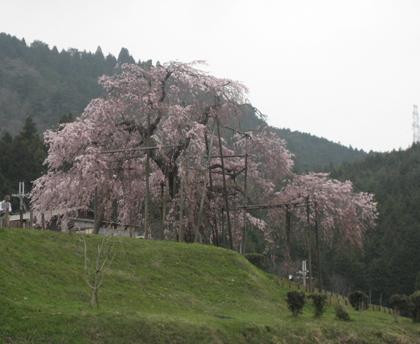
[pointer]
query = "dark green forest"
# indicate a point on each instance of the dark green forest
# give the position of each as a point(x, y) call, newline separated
point(21, 160)
point(390, 262)
point(40, 87)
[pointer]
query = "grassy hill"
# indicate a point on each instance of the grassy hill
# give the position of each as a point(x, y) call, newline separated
point(159, 292)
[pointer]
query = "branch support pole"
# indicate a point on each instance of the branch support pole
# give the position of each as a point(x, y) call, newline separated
point(203, 195)
point(288, 238)
point(245, 192)
point(181, 214)
point(224, 185)
point(309, 244)
point(215, 233)
point(317, 247)
point(146, 206)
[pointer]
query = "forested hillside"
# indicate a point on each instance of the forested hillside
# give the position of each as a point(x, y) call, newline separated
point(40, 82)
point(391, 260)
point(44, 83)
point(312, 152)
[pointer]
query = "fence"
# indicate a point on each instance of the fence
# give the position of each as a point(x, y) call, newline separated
point(333, 298)
point(22, 220)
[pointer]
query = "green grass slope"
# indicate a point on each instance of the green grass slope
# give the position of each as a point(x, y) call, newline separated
point(159, 292)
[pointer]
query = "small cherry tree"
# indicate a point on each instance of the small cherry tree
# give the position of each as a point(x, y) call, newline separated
point(331, 206)
point(99, 264)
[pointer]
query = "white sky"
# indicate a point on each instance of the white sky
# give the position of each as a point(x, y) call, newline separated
point(347, 71)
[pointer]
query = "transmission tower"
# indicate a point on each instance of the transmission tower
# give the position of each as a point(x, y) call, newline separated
point(416, 128)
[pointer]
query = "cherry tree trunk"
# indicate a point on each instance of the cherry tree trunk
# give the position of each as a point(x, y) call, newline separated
point(99, 219)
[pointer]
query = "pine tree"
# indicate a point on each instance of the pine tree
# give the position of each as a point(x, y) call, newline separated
point(125, 57)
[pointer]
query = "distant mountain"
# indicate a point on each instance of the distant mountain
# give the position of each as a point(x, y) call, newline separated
point(40, 82)
point(43, 83)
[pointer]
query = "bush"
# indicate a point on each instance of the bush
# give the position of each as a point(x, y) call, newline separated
point(399, 302)
point(359, 299)
point(295, 301)
point(341, 312)
point(320, 303)
point(256, 259)
point(414, 306)
point(417, 286)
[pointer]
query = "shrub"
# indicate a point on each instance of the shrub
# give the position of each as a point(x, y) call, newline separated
point(295, 301)
point(341, 312)
point(359, 300)
point(414, 306)
point(417, 286)
point(399, 302)
point(320, 303)
point(256, 259)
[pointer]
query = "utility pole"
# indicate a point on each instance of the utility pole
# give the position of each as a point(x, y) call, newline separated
point(21, 196)
point(303, 272)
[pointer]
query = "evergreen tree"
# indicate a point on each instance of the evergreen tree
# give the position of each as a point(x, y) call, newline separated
point(66, 118)
point(99, 55)
point(125, 57)
point(21, 159)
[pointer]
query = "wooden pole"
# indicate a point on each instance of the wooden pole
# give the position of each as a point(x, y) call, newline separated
point(215, 233)
point(224, 186)
point(309, 245)
point(181, 214)
point(245, 192)
point(146, 206)
point(288, 258)
point(203, 195)
point(21, 217)
point(223, 228)
point(288, 229)
point(31, 219)
point(162, 195)
point(317, 248)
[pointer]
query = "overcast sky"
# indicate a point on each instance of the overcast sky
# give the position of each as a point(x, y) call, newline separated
point(347, 71)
